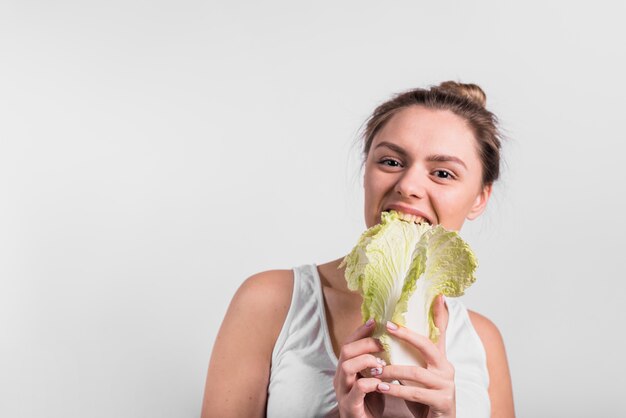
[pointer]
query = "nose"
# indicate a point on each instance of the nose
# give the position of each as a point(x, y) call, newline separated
point(411, 184)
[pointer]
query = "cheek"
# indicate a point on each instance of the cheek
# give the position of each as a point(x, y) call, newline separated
point(370, 185)
point(374, 190)
point(452, 208)
point(370, 191)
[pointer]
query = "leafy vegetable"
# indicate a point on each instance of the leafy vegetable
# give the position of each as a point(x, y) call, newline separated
point(399, 268)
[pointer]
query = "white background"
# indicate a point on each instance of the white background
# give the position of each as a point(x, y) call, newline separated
point(154, 154)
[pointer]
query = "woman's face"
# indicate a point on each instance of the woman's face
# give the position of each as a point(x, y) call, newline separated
point(425, 162)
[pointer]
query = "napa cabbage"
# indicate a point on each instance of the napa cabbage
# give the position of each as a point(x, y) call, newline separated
point(399, 268)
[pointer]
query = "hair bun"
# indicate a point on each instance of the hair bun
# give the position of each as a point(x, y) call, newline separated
point(468, 91)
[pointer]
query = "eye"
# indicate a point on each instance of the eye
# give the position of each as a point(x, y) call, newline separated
point(389, 162)
point(443, 174)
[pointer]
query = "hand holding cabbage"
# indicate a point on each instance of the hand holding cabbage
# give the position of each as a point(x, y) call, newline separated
point(400, 267)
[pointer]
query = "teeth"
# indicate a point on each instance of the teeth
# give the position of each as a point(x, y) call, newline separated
point(412, 218)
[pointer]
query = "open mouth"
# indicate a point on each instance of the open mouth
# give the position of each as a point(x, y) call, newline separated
point(407, 217)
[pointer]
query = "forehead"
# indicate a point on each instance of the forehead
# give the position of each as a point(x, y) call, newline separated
point(419, 129)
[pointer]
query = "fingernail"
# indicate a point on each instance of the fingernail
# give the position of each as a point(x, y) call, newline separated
point(369, 322)
point(383, 386)
point(375, 371)
point(391, 326)
point(380, 361)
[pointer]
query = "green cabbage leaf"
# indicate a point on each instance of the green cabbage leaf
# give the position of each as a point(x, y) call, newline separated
point(399, 268)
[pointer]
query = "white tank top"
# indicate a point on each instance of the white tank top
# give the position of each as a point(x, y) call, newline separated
point(304, 363)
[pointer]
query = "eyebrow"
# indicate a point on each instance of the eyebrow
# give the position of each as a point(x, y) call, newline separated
point(446, 158)
point(392, 147)
point(435, 157)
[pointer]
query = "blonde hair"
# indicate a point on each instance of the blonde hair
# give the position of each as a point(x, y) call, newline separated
point(465, 100)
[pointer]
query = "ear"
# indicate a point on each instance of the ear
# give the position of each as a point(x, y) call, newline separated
point(480, 203)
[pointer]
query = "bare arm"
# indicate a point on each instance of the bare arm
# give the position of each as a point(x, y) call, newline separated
point(500, 388)
point(239, 369)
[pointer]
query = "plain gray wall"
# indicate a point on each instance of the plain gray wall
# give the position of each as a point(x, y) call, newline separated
point(154, 154)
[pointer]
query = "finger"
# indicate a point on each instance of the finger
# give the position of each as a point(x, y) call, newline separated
point(370, 366)
point(436, 399)
point(364, 362)
point(440, 313)
point(414, 374)
point(363, 346)
point(363, 331)
point(427, 348)
point(354, 358)
point(361, 388)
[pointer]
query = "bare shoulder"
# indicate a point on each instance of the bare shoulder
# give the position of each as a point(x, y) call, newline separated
point(277, 282)
point(239, 368)
point(487, 330)
point(266, 297)
point(500, 387)
point(258, 310)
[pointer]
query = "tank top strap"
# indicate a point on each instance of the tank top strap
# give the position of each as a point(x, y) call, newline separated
point(303, 362)
point(306, 311)
point(466, 352)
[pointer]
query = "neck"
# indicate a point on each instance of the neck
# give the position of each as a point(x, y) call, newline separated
point(333, 276)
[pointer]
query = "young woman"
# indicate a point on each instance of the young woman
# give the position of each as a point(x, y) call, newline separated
point(293, 343)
